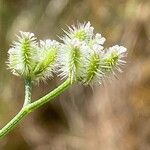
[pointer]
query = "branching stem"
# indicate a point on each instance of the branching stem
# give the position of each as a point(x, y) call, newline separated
point(29, 107)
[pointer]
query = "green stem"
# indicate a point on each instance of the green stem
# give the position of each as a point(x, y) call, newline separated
point(10, 125)
point(28, 90)
point(32, 106)
point(49, 96)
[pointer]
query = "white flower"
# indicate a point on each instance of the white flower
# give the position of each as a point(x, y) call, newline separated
point(120, 50)
point(113, 59)
point(96, 43)
point(99, 39)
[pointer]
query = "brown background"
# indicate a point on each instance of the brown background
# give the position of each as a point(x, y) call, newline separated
point(113, 116)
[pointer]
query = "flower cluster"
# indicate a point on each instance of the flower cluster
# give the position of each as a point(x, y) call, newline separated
point(83, 57)
point(80, 56)
point(33, 60)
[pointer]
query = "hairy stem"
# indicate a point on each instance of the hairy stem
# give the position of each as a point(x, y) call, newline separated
point(32, 106)
point(50, 95)
point(28, 90)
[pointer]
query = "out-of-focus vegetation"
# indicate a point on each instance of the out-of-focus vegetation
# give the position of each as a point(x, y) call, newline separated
point(116, 115)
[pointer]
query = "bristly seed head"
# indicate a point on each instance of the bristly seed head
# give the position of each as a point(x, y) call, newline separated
point(33, 60)
point(80, 57)
point(22, 55)
point(83, 32)
point(47, 59)
point(93, 62)
point(71, 59)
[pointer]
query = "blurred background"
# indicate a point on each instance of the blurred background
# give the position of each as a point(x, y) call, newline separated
point(113, 116)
